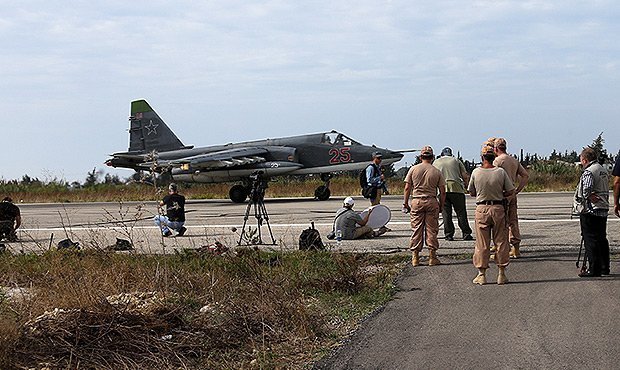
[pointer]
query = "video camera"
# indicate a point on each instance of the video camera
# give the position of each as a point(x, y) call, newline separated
point(256, 176)
point(259, 185)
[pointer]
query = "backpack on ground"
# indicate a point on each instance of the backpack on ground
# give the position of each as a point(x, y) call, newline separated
point(121, 245)
point(68, 244)
point(310, 240)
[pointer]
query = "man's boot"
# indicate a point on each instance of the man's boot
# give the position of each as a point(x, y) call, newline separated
point(415, 258)
point(514, 251)
point(481, 279)
point(501, 276)
point(432, 258)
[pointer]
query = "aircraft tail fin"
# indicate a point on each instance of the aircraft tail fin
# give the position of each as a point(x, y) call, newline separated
point(148, 132)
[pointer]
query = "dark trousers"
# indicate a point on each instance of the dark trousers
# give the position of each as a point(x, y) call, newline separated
point(594, 233)
point(7, 232)
point(456, 201)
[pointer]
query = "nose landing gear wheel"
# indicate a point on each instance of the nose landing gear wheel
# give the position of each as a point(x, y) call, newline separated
point(322, 193)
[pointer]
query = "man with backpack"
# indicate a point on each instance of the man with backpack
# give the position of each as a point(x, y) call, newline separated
point(372, 180)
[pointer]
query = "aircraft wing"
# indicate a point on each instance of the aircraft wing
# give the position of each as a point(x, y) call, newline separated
point(220, 159)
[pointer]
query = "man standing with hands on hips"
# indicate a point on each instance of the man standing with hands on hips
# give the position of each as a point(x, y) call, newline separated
point(519, 177)
point(423, 182)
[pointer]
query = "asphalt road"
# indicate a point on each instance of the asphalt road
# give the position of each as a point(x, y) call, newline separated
point(544, 318)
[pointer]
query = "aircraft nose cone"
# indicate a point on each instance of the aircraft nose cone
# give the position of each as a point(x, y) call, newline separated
point(388, 154)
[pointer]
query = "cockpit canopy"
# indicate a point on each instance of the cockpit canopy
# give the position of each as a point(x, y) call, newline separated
point(336, 138)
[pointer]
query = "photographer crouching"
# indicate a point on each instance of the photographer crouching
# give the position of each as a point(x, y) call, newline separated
point(10, 220)
point(175, 213)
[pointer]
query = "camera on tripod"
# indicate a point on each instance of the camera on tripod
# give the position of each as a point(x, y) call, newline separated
point(259, 185)
point(256, 201)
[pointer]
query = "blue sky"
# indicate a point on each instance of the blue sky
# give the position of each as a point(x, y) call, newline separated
point(399, 74)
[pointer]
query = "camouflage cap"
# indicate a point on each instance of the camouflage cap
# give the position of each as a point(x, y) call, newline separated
point(426, 151)
point(173, 187)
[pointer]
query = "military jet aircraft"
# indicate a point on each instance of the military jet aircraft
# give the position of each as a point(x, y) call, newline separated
point(154, 147)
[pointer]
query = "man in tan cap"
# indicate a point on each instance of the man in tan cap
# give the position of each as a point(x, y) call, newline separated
point(519, 177)
point(490, 185)
point(423, 182)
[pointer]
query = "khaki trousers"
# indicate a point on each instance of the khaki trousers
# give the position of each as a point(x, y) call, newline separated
point(424, 223)
point(362, 232)
point(513, 222)
point(491, 219)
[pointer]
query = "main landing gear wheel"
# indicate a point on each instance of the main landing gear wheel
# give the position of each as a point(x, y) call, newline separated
point(238, 193)
point(322, 193)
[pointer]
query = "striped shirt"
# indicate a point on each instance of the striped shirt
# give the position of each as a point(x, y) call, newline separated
point(587, 185)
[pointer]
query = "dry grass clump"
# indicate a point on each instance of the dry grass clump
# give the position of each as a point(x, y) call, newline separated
point(90, 309)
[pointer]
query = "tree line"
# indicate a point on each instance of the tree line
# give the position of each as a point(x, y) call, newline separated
point(556, 161)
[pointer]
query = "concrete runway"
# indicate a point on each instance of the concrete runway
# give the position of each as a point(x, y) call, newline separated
point(545, 222)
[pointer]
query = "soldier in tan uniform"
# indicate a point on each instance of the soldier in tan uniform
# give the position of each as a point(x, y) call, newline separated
point(490, 185)
point(422, 182)
point(519, 177)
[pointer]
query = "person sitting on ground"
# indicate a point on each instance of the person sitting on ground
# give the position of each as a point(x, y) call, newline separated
point(10, 219)
point(347, 221)
point(175, 212)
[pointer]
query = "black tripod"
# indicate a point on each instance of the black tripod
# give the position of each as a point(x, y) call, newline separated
point(256, 201)
point(584, 268)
